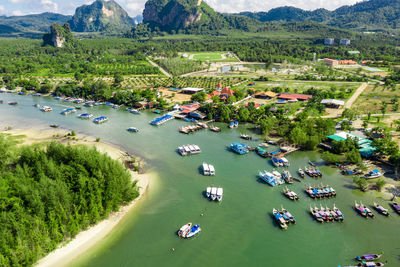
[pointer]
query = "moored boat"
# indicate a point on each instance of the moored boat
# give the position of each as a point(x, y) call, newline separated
point(13, 103)
point(213, 193)
point(290, 194)
point(67, 111)
point(396, 207)
point(360, 210)
point(214, 129)
point(285, 162)
point(85, 116)
point(208, 192)
point(339, 215)
point(184, 230)
point(311, 163)
point(381, 209)
point(133, 129)
point(373, 174)
point(270, 179)
point(206, 169)
point(369, 257)
point(371, 264)
point(301, 173)
point(369, 212)
point(54, 125)
point(289, 218)
point(239, 148)
point(101, 119)
point(187, 150)
point(276, 162)
point(287, 177)
point(46, 109)
point(220, 192)
point(246, 137)
point(316, 215)
point(194, 230)
point(36, 105)
point(133, 111)
point(212, 169)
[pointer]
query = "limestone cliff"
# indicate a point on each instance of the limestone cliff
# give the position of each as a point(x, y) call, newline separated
point(59, 36)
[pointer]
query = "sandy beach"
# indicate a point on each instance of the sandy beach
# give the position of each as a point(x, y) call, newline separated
point(70, 250)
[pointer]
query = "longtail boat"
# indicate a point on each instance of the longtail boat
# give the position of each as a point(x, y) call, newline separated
point(381, 209)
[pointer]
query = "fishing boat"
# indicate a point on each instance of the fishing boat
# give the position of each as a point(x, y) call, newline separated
point(206, 169)
point(270, 179)
point(133, 129)
point(271, 142)
point(21, 93)
point(301, 173)
point(212, 169)
point(67, 111)
point(78, 101)
point(371, 264)
point(339, 215)
point(85, 116)
point(37, 94)
point(213, 193)
point(239, 148)
point(195, 230)
point(54, 125)
point(231, 124)
point(276, 162)
point(215, 129)
point(396, 207)
point(285, 162)
point(287, 177)
point(369, 257)
point(220, 192)
point(316, 215)
point(36, 106)
point(101, 119)
point(290, 194)
point(184, 230)
point(373, 174)
point(311, 163)
point(13, 103)
point(161, 120)
point(289, 218)
point(329, 216)
point(279, 219)
point(236, 124)
point(246, 137)
point(46, 109)
point(133, 111)
point(360, 210)
point(381, 209)
point(187, 150)
point(369, 212)
point(89, 104)
point(208, 192)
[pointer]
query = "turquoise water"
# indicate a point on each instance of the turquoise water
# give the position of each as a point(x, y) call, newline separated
point(240, 230)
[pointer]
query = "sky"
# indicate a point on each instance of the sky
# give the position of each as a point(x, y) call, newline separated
point(135, 7)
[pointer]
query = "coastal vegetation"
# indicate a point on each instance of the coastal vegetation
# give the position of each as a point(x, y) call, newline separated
point(51, 192)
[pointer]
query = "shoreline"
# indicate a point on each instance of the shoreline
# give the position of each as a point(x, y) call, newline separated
point(69, 250)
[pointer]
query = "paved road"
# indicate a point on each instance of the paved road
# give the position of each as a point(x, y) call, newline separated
point(161, 69)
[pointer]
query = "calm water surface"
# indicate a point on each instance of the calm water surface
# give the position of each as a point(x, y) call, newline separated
point(240, 230)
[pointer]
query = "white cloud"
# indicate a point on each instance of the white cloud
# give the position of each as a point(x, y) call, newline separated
point(17, 13)
point(49, 5)
point(15, 1)
point(1, 10)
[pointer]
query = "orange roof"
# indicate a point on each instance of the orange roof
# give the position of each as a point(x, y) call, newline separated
point(214, 93)
point(347, 62)
point(227, 91)
point(268, 94)
point(219, 85)
point(294, 96)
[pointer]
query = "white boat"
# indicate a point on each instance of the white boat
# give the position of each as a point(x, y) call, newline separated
point(373, 174)
point(206, 169)
point(133, 111)
point(85, 116)
point(100, 119)
point(213, 193)
point(189, 150)
point(46, 109)
point(276, 174)
point(208, 192)
point(285, 162)
point(133, 129)
point(194, 230)
point(67, 111)
point(212, 170)
point(184, 230)
point(220, 192)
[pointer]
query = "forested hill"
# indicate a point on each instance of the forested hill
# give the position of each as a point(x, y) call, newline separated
point(364, 16)
point(30, 23)
point(49, 194)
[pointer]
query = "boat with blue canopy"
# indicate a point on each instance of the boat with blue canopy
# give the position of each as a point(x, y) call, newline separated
point(239, 148)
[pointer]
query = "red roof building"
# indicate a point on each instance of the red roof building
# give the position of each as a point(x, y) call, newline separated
point(213, 93)
point(187, 108)
point(218, 86)
point(227, 91)
point(289, 96)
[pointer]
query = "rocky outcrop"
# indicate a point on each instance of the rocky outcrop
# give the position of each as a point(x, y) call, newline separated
point(59, 36)
point(173, 14)
point(101, 16)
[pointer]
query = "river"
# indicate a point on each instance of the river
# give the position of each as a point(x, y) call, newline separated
point(239, 231)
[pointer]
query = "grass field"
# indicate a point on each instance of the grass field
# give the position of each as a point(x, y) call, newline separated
point(211, 56)
point(372, 99)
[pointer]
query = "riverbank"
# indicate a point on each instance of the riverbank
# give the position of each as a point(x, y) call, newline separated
point(71, 249)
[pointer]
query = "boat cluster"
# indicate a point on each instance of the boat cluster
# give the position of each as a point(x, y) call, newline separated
point(239, 148)
point(326, 214)
point(233, 124)
point(273, 179)
point(321, 191)
point(313, 172)
point(368, 260)
point(280, 162)
point(192, 128)
point(283, 218)
point(189, 230)
point(187, 150)
point(214, 193)
point(208, 169)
